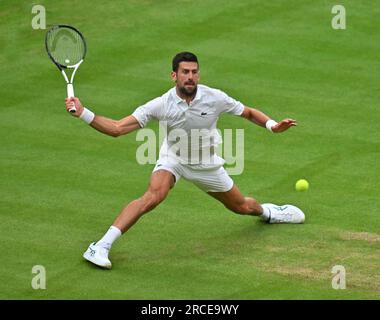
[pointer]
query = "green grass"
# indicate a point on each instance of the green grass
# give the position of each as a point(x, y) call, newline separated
point(62, 183)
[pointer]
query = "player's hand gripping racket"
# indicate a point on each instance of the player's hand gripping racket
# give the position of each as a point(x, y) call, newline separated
point(66, 47)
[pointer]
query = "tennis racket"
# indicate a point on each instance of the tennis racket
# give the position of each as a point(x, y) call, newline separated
point(66, 47)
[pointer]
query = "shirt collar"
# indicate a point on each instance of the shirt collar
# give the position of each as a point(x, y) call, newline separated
point(198, 94)
point(177, 98)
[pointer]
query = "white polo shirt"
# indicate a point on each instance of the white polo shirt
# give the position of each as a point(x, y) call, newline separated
point(199, 117)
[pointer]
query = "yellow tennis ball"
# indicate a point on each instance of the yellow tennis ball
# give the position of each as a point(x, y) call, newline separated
point(302, 185)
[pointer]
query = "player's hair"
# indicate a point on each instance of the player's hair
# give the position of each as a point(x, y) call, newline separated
point(183, 56)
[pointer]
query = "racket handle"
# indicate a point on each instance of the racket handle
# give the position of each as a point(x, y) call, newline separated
point(70, 94)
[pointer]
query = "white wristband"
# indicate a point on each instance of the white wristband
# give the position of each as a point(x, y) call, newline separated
point(87, 115)
point(269, 124)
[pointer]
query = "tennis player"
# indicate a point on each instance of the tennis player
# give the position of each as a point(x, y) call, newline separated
point(185, 108)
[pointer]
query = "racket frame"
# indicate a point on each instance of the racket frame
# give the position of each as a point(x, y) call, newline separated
point(62, 68)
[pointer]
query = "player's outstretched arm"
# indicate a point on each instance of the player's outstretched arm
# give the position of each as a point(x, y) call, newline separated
point(261, 119)
point(114, 128)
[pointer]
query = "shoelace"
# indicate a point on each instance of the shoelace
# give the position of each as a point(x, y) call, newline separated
point(280, 215)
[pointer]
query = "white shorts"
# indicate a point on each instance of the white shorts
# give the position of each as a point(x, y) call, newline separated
point(208, 180)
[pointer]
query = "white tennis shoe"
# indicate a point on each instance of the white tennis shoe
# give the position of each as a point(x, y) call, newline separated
point(284, 214)
point(98, 255)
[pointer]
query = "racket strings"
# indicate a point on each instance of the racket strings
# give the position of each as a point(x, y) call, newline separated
point(66, 46)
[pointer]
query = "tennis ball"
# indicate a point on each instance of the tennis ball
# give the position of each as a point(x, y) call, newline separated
point(302, 185)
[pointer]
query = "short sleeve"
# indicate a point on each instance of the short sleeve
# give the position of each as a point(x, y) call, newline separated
point(148, 111)
point(230, 105)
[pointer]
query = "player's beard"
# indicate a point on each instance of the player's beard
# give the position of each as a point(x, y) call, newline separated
point(188, 93)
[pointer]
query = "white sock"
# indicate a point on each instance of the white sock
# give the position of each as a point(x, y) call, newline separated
point(109, 238)
point(266, 212)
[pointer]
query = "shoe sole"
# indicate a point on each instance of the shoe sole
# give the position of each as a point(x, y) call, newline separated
point(92, 260)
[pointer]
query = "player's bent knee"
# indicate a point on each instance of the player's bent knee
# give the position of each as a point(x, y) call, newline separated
point(152, 200)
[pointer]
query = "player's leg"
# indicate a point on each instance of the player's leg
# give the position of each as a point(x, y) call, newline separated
point(235, 201)
point(218, 184)
point(160, 183)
